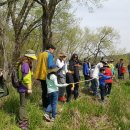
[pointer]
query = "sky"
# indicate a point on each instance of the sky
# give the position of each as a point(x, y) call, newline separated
point(114, 13)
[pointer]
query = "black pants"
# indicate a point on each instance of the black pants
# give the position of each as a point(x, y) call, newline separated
point(76, 88)
point(69, 79)
point(102, 92)
point(108, 88)
point(44, 93)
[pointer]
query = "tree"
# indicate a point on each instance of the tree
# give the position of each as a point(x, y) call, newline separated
point(49, 8)
point(18, 13)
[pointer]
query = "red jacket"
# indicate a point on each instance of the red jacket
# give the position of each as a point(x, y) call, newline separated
point(108, 72)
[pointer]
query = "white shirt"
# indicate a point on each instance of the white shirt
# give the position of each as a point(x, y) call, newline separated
point(60, 64)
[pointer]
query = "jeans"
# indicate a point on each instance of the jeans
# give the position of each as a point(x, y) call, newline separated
point(52, 100)
point(94, 86)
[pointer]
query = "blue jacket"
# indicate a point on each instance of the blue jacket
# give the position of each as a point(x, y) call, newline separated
point(86, 69)
point(102, 79)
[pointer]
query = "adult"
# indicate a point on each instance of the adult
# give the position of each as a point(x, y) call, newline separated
point(74, 65)
point(94, 74)
point(119, 66)
point(61, 63)
point(86, 71)
point(45, 61)
point(128, 67)
point(25, 88)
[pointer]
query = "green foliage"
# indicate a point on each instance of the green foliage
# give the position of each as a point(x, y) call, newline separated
point(86, 113)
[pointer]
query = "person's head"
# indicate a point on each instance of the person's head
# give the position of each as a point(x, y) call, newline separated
point(74, 57)
point(51, 48)
point(62, 56)
point(102, 70)
point(121, 60)
point(28, 57)
point(52, 71)
point(111, 61)
point(104, 61)
point(85, 60)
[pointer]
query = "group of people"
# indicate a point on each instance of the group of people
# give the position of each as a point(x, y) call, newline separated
point(60, 80)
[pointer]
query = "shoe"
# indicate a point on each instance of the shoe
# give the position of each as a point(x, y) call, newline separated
point(47, 117)
point(24, 128)
point(62, 99)
point(52, 119)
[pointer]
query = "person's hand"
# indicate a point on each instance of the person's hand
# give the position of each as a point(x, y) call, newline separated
point(29, 91)
point(71, 72)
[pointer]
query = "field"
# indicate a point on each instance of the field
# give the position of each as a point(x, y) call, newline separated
point(86, 113)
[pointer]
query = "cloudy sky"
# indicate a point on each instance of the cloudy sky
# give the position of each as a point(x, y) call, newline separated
point(114, 13)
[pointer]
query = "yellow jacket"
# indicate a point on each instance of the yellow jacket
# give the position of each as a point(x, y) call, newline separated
point(42, 66)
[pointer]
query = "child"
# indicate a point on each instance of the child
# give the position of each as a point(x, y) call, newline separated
point(25, 88)
point(52, 88)
point(94, 82)
point(108, 72)
point(102, 84)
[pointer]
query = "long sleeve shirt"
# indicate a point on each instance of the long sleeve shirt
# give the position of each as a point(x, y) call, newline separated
point(102, 79)
point(52, 84)
point(86, 70)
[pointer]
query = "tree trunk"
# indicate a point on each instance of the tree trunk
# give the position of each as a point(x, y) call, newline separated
point(16, 51)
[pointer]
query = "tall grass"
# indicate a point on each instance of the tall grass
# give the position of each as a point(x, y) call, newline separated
point(86, 113)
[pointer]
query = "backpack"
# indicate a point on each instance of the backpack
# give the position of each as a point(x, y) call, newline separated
point(15, 77)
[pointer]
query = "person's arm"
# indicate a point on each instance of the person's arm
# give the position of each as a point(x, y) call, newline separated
point(106, 77)
point(54, 78)
point(51, 63)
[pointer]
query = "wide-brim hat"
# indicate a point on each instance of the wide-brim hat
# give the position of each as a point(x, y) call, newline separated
point(31, 53)
point(53, 70)
point(61, 54)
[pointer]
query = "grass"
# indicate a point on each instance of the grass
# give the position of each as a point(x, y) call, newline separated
point(86, 113)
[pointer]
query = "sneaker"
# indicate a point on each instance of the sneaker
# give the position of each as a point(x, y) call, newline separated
point(62, 99)
point(24, 128)
point(52, 119)
point(47, 117)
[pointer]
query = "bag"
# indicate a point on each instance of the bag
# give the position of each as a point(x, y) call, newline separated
point(15, 77)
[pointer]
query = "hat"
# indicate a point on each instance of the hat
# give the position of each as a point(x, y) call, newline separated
point(111, 60)
point(53, 70)
point(62, 54)
point(31, 53)
point(104, 61)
